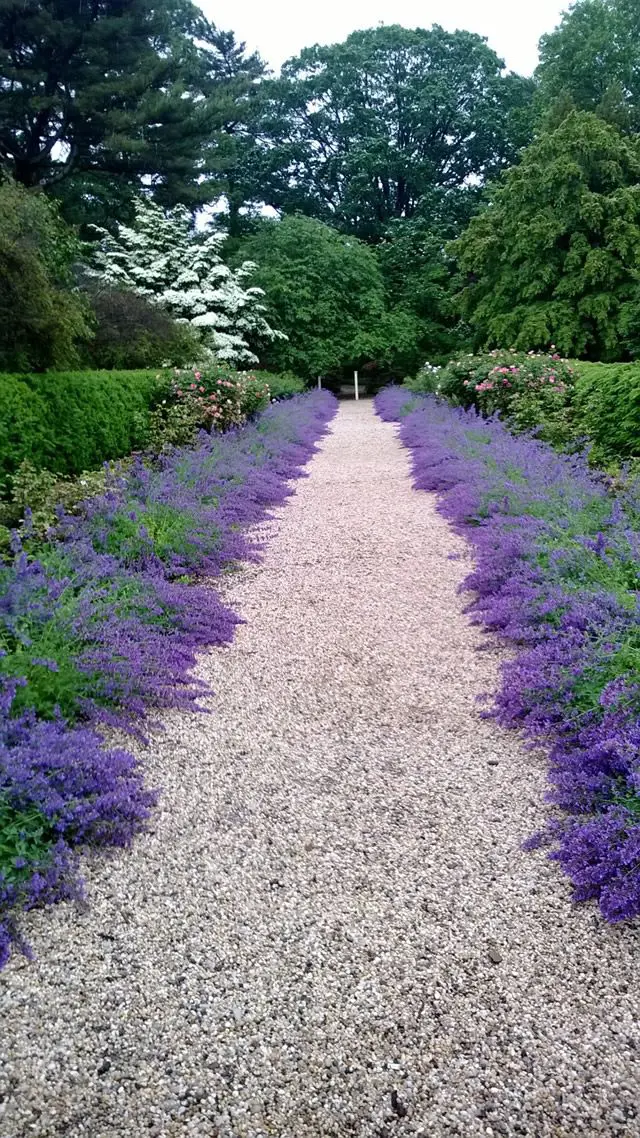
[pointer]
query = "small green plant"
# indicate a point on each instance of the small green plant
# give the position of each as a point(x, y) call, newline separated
point(42, 494)
point(26, 837)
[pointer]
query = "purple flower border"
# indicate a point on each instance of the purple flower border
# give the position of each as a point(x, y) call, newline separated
point(557, 575)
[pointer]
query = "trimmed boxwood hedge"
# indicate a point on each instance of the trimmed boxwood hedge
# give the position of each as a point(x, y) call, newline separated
point(68, 422)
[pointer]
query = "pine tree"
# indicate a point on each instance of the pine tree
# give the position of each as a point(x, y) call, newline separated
point(100, 97)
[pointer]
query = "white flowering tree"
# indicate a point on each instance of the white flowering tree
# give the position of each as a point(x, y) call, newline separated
point(162, 258)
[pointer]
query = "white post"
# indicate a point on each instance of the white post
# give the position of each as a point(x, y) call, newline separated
point(355, 383)
point(319, 382)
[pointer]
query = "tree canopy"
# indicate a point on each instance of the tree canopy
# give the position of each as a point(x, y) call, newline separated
point(554, 256)
point(105, 95)
point(358, 133)
point(592, 60)
point(325, 290)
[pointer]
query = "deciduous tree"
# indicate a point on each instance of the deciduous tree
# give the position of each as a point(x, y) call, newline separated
point(358, 133)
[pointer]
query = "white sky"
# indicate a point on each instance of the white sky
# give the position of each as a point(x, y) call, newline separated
point(279, 29)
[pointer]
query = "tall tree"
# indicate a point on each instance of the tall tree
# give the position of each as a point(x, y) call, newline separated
point(107, 95)
point(554, 257)
point(357, 133)
point(592, 60)
point(229, 79)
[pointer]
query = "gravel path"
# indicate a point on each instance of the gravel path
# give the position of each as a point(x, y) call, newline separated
point(332, 930)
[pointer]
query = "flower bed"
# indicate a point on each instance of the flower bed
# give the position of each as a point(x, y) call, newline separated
point(103, 625)
point(557, 574)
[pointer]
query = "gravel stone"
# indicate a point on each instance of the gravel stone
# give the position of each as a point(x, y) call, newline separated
point(300, 948)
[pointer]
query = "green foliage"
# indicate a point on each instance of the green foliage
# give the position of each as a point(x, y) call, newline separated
point(592, 61)
point(41, 493)
point(325, 291)
point(220, 397)
point(282, 385)
point(26, 837)
point(42, 319)
point(45, 654)
point(109, 82)
point(607, 410)
point(532, 391)
point(357, 133)
point(69, 422)
point(173, 424)
point(213, 398)
point(131, 333)
point(417, 277)
point(567, 403)
point(554, 255)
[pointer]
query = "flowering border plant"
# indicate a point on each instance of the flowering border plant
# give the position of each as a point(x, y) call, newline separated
point(558, 576)
point(102, 626)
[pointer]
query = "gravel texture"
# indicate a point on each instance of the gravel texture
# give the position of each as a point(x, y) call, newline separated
point(332, 930)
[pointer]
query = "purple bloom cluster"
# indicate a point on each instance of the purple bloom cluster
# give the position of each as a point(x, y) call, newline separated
point(104, 624)
point(558, 574)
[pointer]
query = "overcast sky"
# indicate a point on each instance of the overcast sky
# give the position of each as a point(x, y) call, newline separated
point(279, 29)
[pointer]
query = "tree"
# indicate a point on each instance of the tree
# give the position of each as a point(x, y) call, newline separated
point(229, 80)
point(592, 61)
point(42, 317)
point(325, 290)
point(357, 133)
point(417, 272)
point(554, 256)
point(100, 97)
point(161, 257)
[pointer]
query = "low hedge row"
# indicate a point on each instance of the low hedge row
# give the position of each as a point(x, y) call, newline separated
point(68, 422)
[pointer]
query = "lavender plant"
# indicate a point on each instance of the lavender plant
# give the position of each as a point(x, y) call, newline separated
point(558, 575)
point(103, 624)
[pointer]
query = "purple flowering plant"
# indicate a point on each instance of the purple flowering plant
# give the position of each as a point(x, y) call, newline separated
point(101, 624)
point(557, 575)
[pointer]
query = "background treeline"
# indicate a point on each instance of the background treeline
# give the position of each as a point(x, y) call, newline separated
point(422, 201)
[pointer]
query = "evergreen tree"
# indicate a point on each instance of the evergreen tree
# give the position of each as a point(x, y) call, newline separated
point(554, 256)
point(98, 97)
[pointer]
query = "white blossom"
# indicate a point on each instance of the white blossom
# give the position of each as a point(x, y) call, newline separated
point(162, 258)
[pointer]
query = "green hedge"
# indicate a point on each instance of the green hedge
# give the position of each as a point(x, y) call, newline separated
point(68, 422)
point(607, 409)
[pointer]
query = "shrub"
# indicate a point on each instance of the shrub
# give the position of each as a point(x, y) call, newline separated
point(607, 410)
point(282, 385)
point(68, 422)
point(42, 318)
point(216, 398)
point(530, 390)
point(130, 332)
